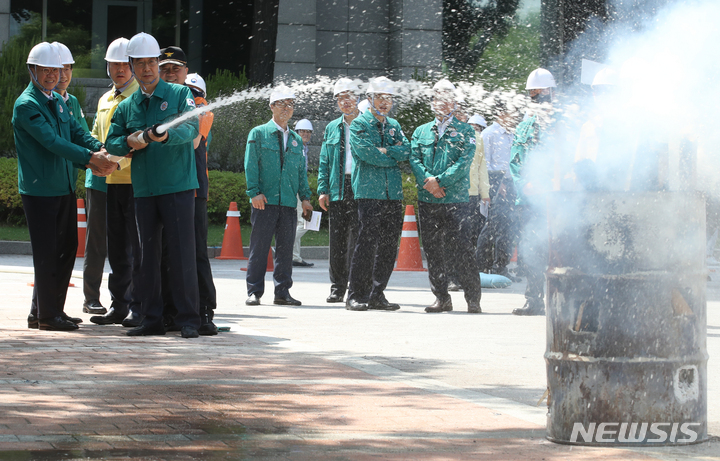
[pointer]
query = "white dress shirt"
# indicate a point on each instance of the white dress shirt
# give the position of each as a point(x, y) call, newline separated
point(497, 148)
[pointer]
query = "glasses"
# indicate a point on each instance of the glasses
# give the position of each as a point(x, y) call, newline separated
point(347, 97)
point(66, 70)
point(50, 71)
point(284, 105)
point(385, 97)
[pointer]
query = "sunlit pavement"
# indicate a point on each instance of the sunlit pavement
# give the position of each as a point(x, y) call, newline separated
point(308, 383)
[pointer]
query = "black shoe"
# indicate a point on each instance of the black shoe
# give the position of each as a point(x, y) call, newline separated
point(132, 320)
point(145, 330)
point(207, 327)
point(94, 307)
point(336, 298)
point(32, 321)
point(74, 320)
point(382, 305)
point(474, 307)
point(286, 300)
point(440, 305)
point(530, 308)
point(253, 300)
point(112, 317)
point(353, 305)
point(188, 332)
point(452, 286)
point(302, 264)
point(57, 324)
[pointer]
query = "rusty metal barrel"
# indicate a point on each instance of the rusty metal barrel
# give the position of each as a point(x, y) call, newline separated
point(626, 318)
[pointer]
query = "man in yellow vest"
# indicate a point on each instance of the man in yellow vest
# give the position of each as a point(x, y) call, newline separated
point(124, 247)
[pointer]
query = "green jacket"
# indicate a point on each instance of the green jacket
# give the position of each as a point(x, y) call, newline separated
point(331, 174)
point(526, 139)
point(377, 175)
point(448, 159)
point(281, 176)
point(50, 144)
point(162, 167)
point(91, 181)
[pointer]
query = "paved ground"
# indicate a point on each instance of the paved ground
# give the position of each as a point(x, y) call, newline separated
point(309, 383)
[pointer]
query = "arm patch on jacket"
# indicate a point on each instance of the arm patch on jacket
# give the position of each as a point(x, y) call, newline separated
point(34, 116)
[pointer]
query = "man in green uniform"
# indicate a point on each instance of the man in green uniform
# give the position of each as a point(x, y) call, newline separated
point(164, 181)
point(95, 189)
point(276, 175)
point(51, 145)
point(335, 187)
point(529, 185)
point(442, 153)
point(378, 146)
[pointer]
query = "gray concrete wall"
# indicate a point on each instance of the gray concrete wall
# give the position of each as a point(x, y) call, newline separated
point(94, 88)
point(361, 38)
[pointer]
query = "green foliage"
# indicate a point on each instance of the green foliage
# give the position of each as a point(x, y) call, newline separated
point(508, 60)
point(410, 191)
point(226, 187)
point(14, 79)
point(233, 122)
point(413, 115)
point(11, 209)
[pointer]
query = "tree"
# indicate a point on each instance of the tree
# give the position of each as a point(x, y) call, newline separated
point(468, 27)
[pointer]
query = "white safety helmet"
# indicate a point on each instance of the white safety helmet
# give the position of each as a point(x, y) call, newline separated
point(444, 85)
point(363, 105)
point(196, 81)
point(143, 45)
point(606, 76)
point(345, 84)
point(117, 50)
point(478, 119)
point(540, 79)
point(281, 92)
point(66, 56)
point(303, 124)
point(46, 55)
point(381, 85)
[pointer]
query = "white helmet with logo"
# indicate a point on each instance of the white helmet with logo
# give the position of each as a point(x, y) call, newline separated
point(444, 85)
point(303, 124)
point(143, 45)
point(66, 56)
point(606, 76)
point(540, 79)
point(381, 85)
point(478, 119)
point(46, 55)
point(117, 50)
point(281, 92)
point(345, 84)
point(196, 81)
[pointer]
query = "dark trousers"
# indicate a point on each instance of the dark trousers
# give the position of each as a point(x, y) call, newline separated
point(206, 287)
point(278, 221)
point(52, 222)
point(446, 225)
point(493, 244)
point(95, 244)
point(343, 235)
point(379, 228)
point(473, 223)
point(173, 213)
point(534, 251)
point(123, 249)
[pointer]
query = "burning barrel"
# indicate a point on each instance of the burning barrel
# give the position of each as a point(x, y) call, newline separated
point(626, 319)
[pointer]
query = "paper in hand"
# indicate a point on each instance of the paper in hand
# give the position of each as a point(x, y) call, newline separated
point(314, 222)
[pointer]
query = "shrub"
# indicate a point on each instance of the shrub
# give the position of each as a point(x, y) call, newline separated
point(14, 79)
point(226, 150)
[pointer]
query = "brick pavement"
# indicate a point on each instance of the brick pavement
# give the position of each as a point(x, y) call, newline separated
point(99, 394)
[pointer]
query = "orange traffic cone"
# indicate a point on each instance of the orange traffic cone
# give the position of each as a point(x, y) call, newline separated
point(270, 265)
point(409, 257)
point(514, 256)
point(232, 247)
point(82, 228)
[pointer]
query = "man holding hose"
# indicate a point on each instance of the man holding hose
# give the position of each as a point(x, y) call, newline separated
point(164, 181)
